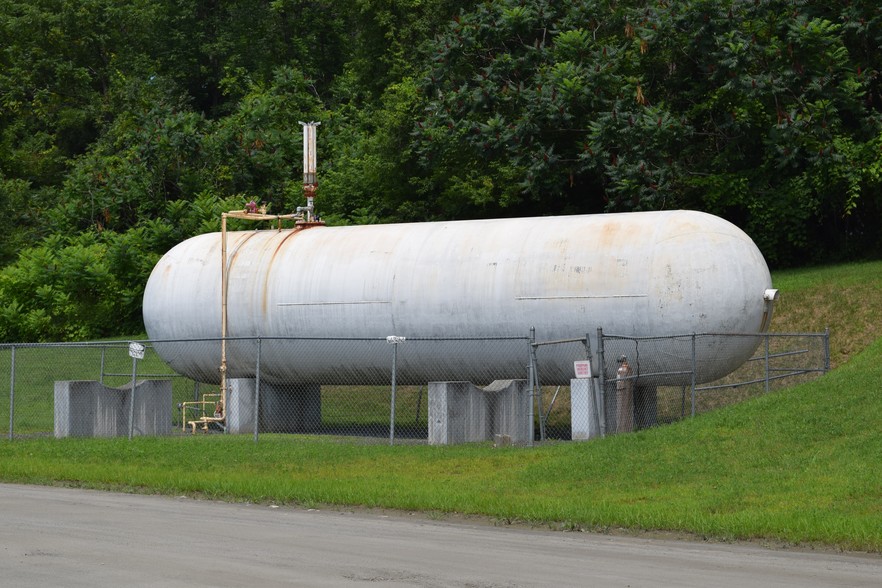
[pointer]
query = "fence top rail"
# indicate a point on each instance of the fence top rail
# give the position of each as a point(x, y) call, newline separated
point(709, 334)
point(88, 344)
point(129, 375)
point(123, 344)
point(354, 339)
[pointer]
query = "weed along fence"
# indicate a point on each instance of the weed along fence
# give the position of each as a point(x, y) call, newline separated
point(507, 390)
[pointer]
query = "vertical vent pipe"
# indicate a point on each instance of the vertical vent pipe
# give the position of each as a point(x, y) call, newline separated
point(310, 179)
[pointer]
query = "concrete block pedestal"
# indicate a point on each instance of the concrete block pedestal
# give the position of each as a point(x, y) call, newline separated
point(460, 412)
point(584, 411)
point(292, 408)
point(85, 408)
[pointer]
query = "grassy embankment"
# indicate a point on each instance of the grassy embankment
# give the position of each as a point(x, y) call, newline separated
point(800, 466)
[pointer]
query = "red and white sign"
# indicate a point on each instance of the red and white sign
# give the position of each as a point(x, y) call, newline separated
point(583, 368)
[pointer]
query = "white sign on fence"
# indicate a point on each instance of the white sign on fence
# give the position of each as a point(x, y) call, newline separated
point(136, 350)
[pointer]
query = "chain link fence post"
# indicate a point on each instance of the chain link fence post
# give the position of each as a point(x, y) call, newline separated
point(826, 350)
point(394, 341)
point(601, 382)
point(538, 389)
point(12, 394)
point(132, 397)
point(256, 391)
point(533, 385)
point(596, 392)
point(766, 361)
point(692, 375)
point(103, 357)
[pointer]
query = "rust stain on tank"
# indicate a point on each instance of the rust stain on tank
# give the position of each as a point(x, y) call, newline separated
point(299, 228)
point(609, 234)
point(237, 247)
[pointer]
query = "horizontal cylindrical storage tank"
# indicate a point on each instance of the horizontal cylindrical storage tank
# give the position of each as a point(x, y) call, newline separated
point(640, 274)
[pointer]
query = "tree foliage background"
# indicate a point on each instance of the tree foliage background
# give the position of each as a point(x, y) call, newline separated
point(128, 127)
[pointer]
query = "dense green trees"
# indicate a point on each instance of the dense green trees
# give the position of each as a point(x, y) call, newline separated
point(127, 127)
point(763, 112)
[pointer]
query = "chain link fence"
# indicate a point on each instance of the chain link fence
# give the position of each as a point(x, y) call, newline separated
point(650, 381)
point(508, 390)
point(367, 388)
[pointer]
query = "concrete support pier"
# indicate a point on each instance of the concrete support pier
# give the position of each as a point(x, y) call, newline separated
point(460, 412)
point(85, 408)
point(291, 408)
point(585, 422)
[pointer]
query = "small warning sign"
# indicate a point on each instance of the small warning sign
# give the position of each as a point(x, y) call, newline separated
point(136, 350)
point(583, 368)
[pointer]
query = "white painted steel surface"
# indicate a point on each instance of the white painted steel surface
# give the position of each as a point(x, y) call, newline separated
point(643, 274)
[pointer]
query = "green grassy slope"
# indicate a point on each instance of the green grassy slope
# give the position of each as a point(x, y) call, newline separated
point(846, 298)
